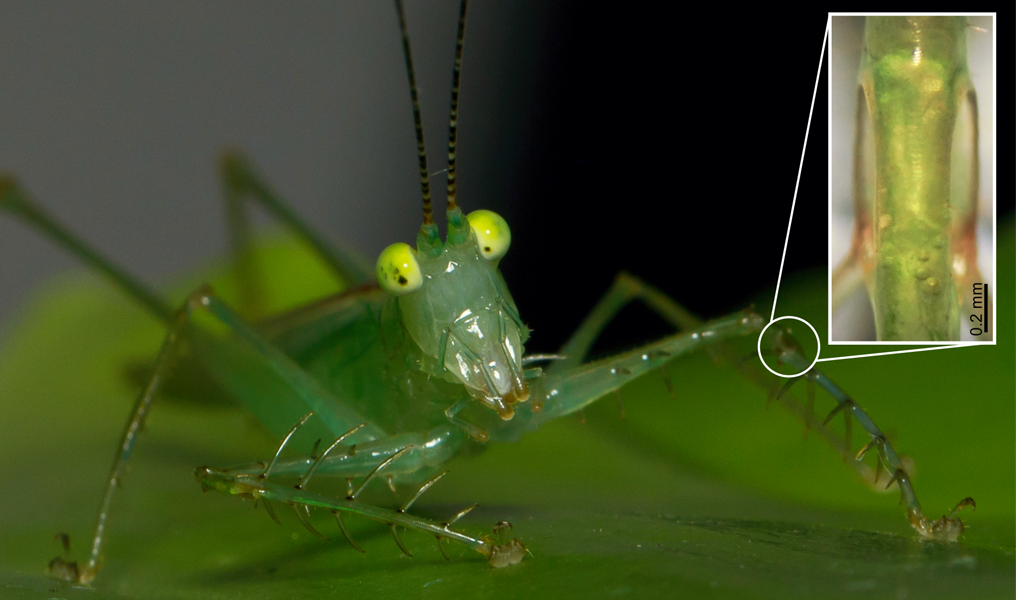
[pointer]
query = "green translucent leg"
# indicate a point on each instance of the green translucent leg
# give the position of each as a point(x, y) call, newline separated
point(163, 365)
point(578, 386)
point(256, 485)
point(429, 450)
point(268, 382)
point(241, 181)
point(569, 390)
point(946, 528)
point(913, 85)
point(15, 201)
point(627, 288)
point(208, 327)
point(569, 387)
point(401, 454)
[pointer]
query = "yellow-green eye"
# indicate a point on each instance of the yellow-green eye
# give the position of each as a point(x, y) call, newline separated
point(397, 270)
point(492, 233)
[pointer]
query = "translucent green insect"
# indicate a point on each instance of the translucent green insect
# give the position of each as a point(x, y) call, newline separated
point(916, 198)
point(400, 374)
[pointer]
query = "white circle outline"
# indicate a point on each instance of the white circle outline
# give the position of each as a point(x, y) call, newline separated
point(758, 346)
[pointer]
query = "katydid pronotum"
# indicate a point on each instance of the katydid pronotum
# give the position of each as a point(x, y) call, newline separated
point(506, 387)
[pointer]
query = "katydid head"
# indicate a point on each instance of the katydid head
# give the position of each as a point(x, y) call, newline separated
point(455, 306)
point(452, 300)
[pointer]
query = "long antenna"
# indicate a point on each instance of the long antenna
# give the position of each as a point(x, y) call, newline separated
point(428, 217)
point(454, 121)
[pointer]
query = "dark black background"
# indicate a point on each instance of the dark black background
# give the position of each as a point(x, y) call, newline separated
point(668, 145)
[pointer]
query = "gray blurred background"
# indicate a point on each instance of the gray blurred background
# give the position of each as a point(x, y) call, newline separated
point(112, 114)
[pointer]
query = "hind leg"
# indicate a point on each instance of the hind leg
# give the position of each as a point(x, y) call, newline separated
point(240, 183)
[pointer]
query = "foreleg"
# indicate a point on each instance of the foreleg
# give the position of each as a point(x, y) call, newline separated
point(567, 390)
point(946, 528)
point(382, 458)
point(626, 288)
point(569, 387)
point(430, 450)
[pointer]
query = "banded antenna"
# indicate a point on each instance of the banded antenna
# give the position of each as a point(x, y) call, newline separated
point(428, 217)
point(454, 120)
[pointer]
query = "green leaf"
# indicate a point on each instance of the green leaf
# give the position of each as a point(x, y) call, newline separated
point(708, 495)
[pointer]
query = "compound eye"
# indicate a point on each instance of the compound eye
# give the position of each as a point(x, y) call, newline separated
point(397, 270)
point(492, 234)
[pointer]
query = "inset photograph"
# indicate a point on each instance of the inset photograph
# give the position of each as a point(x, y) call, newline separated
point(911, 178)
